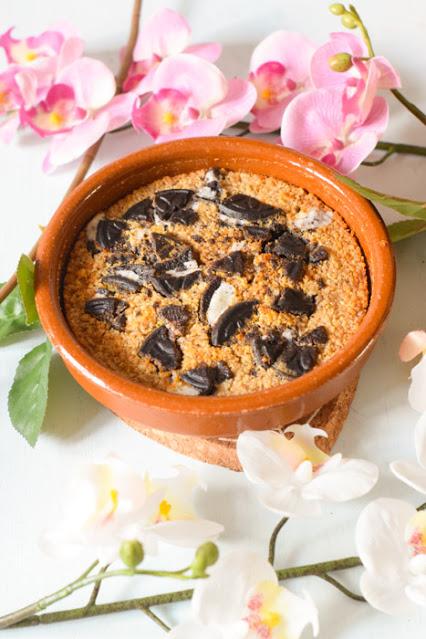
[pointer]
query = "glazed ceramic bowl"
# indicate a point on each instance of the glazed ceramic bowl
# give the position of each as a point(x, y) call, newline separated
point(212, 416)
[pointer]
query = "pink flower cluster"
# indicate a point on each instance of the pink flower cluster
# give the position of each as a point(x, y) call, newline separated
point(174, 90)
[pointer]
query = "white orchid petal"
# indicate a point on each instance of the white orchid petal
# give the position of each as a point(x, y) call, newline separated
point(380, 538)
point(386, 595)
point(222, 597)
point(288, 502)
point(418, 565)
point(304, 437)
point(420, 439)
point(195, 630)
point(417, 391)
point(410, 474)
point(186, 533)
point(416, 591)
point(412, 345)
point(303, 473)
point(299, 612)
point(348, 480)
point(261, 462)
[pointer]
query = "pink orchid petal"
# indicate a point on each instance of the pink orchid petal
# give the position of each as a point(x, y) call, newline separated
point(6, 42)
point(353, 154)
point(192, 76)
point(71, 50)
point(312, 119)
point(92, 81)
point(164, 33)
point(322, 75)
point(56, 114)
point(8, 128)
point(119, 110)
point(237, 103)
point(70, 146)
point(293, 50)
point(378, 117)
point(199, 128)
point(268, 120)
point(144, 83)
point(27, 81)
point(210, 51)
point(388, 76)
point(412, 345)
point(166, 112)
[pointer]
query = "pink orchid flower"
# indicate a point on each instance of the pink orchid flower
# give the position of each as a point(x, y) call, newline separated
point(191, 98)
point(58, 42)
point(334, 126)
point(323, 76)
point(279, 70)
point(78, 109)
point(164, 34)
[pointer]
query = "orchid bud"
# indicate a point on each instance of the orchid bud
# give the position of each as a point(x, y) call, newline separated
point(337, 9)
point(340, 62)
point(349, 21)
point(206, 555)
point(131, 553)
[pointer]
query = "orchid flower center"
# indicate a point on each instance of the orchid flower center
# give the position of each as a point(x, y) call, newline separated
point(264, 615)
point(169, 118)
point(295, 451)
point(30, 56)
point(164, 509)
point(272, 84)
point(415, 534)
point(56, 119)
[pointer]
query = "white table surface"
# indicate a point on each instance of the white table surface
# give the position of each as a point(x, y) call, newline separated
point(380, 426)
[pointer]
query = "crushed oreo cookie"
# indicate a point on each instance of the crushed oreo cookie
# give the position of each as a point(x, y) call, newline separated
point(288, 245)
point(206, 378)
point(318, 254)
point(232, 263)
point(176, 315)
point(167, 246)
point(142, 211)
point(295, 302)
point(245, 207)
point(109, 232)
point(128, 278)
point(217, 297)
point(299, 359)
point(267, 348)
point(231, 320)
point(211, 189)
point(161, 348)
point(108, 309)
point(174, 206)
point(315, 337)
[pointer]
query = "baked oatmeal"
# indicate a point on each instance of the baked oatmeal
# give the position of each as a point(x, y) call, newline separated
point(215, 282)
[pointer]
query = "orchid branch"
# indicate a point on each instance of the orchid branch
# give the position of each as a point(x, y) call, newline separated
point(96, 588)
point(341, 587)
point(28, 616)
point(156, 619)
point(381, 160)
point(273, 540)
point(90, 154)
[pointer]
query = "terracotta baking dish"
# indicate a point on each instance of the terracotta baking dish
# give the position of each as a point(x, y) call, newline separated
point(212, 416)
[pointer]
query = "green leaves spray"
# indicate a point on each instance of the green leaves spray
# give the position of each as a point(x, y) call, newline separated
point(28, 395)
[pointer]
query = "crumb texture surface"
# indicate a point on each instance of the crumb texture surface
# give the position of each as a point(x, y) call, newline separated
point(215, 282)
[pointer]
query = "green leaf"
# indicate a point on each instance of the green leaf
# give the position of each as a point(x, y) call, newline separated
point(25, 277)
point(28, 395)
point(412, 208)
point(12, 316)
point(407, 228)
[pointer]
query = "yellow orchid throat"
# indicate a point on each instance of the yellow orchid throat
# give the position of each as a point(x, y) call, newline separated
point(169, 118)
point(416, 533)
point(164, 509)
point(30, 56)
point(56, 119)
point(264, 618)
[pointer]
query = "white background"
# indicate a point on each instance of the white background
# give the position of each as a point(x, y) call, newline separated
point(380, 426)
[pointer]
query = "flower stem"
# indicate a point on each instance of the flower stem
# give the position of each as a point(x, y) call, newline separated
point(418, 113)
point(28, 616)
point(410, 149)
point(381, 160)
point(273, 540)
point(341, 587)
point(149, 613)
point(96, 588)
point(87, 159)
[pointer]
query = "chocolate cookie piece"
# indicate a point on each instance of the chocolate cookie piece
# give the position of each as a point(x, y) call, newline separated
point(178, 316)
point(295, 302)
point(318, 254)
point(161, 348)
point(232, 263)
point(173, 205)
point(245, 207)
point(109, 232)
point(267, 348)
point(299, 359)
point(207, 296)
point(231, 320)
point(128, 278)
point(288, 245)
point(166, 246)
point(317, 336)
point(295, 269)
point(108, 309)
point(259, 232)
point(211, 189)
point(206, 378)
point(142, 211)
point(167, 284)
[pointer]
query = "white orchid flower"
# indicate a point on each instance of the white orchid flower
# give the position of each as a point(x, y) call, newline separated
point(242, 599)
point(414, 474)
point(412, 345)
point(107, 503)
point(391, 542)
point(293, 476)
